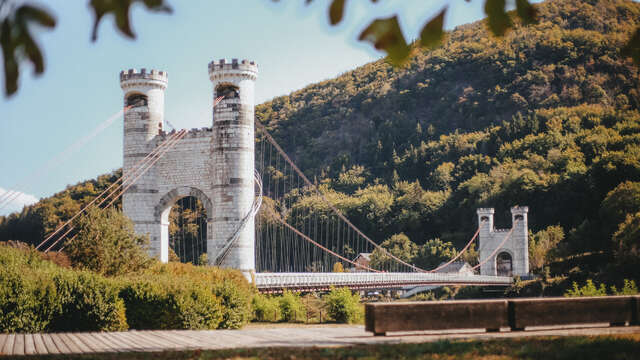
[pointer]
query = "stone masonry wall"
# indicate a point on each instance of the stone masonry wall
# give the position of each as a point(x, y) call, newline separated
point(517, 245)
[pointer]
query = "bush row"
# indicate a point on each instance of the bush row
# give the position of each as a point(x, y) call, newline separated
point(39, 296)
point(340, 305)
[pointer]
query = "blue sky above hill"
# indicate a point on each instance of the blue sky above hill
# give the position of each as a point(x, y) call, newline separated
point(293, 45)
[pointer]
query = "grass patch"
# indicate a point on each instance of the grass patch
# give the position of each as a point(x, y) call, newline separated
point(584, 347)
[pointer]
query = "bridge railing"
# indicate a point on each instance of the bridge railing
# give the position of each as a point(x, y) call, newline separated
point(363, 280)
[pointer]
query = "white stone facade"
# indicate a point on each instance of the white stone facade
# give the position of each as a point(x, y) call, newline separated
point(215, 165)
point(516, 247)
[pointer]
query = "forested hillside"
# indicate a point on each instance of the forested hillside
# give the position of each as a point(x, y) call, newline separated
point(547, 116)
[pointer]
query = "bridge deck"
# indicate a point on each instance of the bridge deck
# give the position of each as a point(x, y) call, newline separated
point(272, 282)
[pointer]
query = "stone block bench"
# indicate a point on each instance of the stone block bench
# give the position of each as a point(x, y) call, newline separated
point(492, 315)
point(381, 318)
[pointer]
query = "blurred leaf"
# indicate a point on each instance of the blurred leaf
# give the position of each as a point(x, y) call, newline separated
point(16, 41)
point(632, 48)
point(385, 34)
point(28, 12)
point(9, 57)
point(336, 11)
point(120, 10)
point(498, 20)
point(432, 34)
point(526, 12)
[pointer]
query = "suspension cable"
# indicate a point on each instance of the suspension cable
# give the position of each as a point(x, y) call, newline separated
point(121, 178)
point(513, 226)
point(459, 254)
point(9, 196)
point(340, 215)
point(169, 144)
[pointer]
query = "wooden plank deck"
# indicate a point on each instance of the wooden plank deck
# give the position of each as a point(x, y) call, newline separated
point(252, 336)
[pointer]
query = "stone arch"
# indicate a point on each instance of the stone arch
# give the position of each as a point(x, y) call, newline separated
point(504, 263)
point(163, 208)
point(170, 198)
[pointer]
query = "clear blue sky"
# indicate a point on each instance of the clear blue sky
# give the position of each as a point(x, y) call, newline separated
point(293, 45)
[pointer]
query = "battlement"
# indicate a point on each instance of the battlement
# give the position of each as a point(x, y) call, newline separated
point(485, 211)
point(519, 209)
point(223, 68)
point(133, 77)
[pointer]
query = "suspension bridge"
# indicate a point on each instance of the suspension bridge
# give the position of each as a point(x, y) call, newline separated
point(231, 192)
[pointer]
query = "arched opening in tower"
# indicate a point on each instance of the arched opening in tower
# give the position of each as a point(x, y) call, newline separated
point(188, 231)
point(137, 100)
point(228, 91)
point(504, 264)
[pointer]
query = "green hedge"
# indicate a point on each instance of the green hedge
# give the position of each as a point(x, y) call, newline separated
point(163, 303)
point(39, 296)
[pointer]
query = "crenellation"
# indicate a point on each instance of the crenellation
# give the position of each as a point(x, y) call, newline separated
point(134, 75)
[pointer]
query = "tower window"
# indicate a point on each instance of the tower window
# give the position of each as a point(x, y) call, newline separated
point(228, 91)
point(484, 218)
point(519, 217)
point(137, 100)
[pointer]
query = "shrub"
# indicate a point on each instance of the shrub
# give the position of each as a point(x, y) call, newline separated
point(589, 289)
point(235, 302)
point(291, 307)
point(38, 296)
point(88, 303)
point(343, 306)
point(229, 286)
point(629, 288)
point(265, 308)
point(28, 302)
point(106, 244)
point(164, 303)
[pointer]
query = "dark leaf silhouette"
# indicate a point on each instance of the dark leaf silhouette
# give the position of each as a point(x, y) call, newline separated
point(498, 20)
point(632, 48)
point(336, 11)
point(120, 10)
point(432, 34)
point(16, 41)
point(385, 34)
point(526, 12)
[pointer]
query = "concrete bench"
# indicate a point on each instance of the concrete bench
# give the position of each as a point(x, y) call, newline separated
point(492, 315)
point(615, 310)
point(381, 318)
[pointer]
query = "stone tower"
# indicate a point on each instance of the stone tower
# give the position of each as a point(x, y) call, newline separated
point(233, 159)
point(144, 93)
point(213, 164)
point(513, 258)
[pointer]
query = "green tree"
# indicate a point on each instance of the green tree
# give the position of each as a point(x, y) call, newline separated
point(542, 246)
point(399, 245)
point(106, 244)
point(627, 239)
point(433, 253)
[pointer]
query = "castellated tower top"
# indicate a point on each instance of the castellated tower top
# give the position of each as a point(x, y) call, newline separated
point(133, 78)
point(222, 69)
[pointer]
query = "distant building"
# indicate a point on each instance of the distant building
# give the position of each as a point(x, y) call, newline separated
point(364, 260)
point(458, 267)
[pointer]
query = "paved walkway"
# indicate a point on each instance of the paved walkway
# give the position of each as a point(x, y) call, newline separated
point(254, 336)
